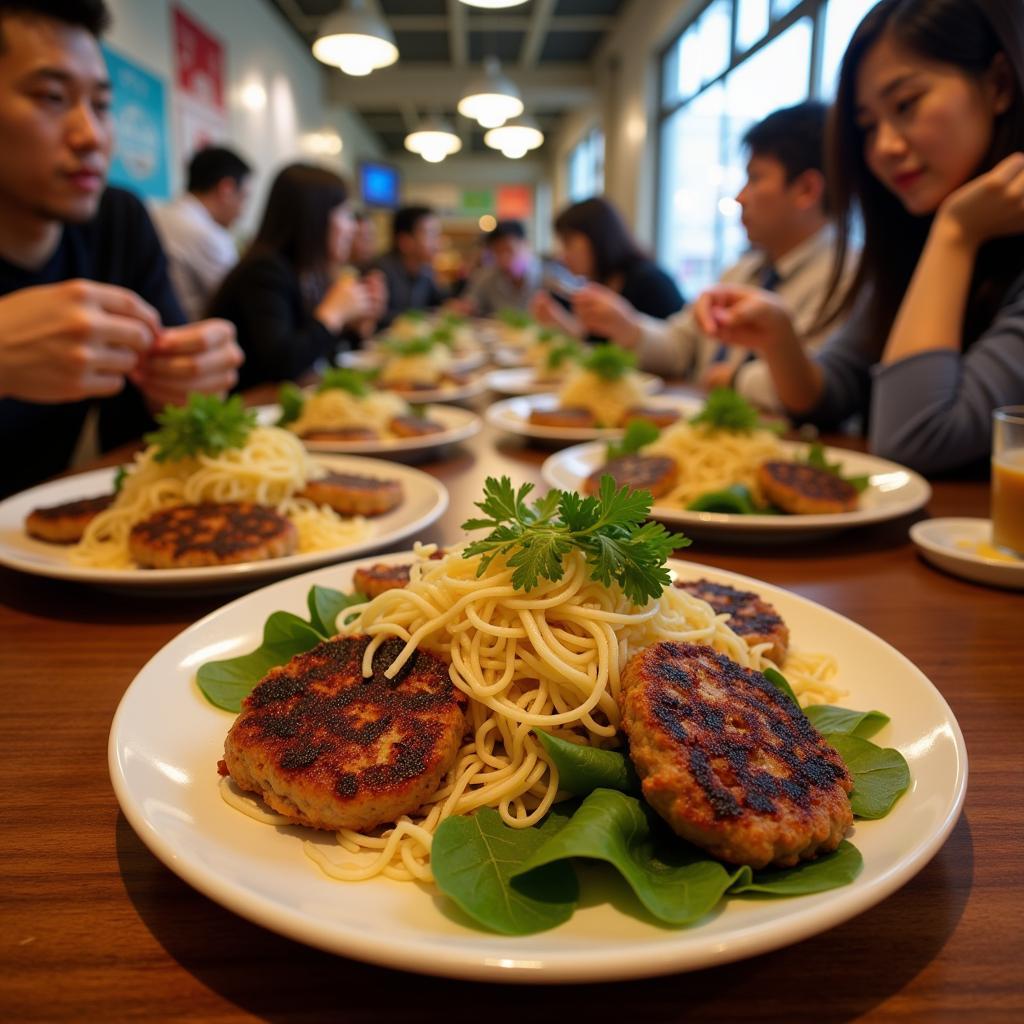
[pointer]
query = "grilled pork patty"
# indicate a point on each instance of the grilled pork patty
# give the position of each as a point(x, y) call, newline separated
point(352, 495)
point(728, 761)
point(211, 534)
point(65, 523)
point(750, 617)
point(654, 473)
point(805, 490)
point(328, 748)
point(570, 416)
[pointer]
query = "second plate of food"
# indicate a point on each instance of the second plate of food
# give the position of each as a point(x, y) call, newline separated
point(423, 500)
point(891, 491)
point(537, 416)
point(436, 426)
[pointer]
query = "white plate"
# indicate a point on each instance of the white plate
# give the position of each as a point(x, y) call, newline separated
point(459, 424)
point(895, 491)
point(166, 739)
point(425, 499)
point(522, 380)
point(939, 541)
point(513, 416)
point(370, 359)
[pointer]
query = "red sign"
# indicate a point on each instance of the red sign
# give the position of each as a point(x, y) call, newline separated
point(199, 61)
point(514, 202)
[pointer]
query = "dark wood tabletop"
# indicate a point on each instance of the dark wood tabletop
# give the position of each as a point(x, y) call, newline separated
point(95, 928)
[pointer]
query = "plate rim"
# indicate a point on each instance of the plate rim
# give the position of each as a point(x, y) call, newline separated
point(470, 426)
point(241, 573)
point(586, 435)
point(647, 958)
point(777, 525)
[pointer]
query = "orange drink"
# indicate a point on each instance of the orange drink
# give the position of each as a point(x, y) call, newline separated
point(1008, 479)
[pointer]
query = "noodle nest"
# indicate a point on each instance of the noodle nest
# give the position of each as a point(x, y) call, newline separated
point(269, 469)
point(551, 658)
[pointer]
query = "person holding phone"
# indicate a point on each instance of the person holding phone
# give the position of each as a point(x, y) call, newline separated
point(598, 247)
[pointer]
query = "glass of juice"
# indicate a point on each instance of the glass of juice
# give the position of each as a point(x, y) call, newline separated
point(1008, 479)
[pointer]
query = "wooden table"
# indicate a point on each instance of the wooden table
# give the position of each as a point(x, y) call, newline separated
point(95, 928)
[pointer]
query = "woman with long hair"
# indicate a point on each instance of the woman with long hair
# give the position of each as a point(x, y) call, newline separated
point(288, 310)
point(597, 245)
point(926, 141)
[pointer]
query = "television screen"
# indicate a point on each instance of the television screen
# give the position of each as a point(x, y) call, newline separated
point(378, 184)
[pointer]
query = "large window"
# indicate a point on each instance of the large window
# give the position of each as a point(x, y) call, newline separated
point(734, 64)
point(586, 167)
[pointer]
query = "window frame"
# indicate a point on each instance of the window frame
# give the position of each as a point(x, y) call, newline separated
point(815, 10)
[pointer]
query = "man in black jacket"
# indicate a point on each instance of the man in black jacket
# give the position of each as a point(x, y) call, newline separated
point(87, 315)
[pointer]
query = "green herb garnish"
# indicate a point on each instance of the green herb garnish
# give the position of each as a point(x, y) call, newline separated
point(413, 347)
point(345, 378)
point(637, 434)
point(609, 529)
point(609, 362)
point(816, 457)
point(205, 425)
point(119, 478)
point(560, 353)
point(443, 336)
point(724, 409)
point(451, 320)
point(292, 400)
point(413, 316)
point(515, 318)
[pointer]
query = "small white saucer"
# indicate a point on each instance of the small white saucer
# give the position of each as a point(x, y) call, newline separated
point(940, 540)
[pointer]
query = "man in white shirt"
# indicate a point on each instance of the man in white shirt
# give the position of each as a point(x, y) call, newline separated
point(784, 214)
point(194, 228)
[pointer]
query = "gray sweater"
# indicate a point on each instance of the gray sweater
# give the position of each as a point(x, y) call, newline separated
point(931, 411)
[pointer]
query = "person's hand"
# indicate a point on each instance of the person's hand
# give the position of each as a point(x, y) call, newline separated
point(376, 285)
point(717, 375)
point(549, 313)
point(744, 316)
point(346, 299)
point(989, 206)
point(73, 340)
point(460, 306)
point(606, 313)
point(203, 357)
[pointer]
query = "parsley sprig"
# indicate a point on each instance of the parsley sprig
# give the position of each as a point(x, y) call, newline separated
point(609, 529)
point(292, 401)
point(515, 318)
point(816, 457)
point(724, 409)
point(205, 424)
point(638, 433)
point(609, 362)
point(413, 347)
point(345, 378)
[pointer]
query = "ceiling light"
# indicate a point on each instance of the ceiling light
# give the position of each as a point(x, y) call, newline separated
point(492, 99)
point(433, 140)
point(515, 138)
point(356, 39)
point(493, 4)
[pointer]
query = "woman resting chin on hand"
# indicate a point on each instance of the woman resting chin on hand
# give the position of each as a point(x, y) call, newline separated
point(930, 146)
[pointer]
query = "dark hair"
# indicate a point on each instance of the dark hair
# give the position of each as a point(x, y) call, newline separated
point(967, 34)
point(297, 216)
point(795, 136)
point(92, 15)
point(405, 220)
point(506, 229)
point(211, 165)
point(613, 246)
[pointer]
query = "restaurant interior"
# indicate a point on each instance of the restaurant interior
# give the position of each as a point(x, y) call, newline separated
point(511, 507)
